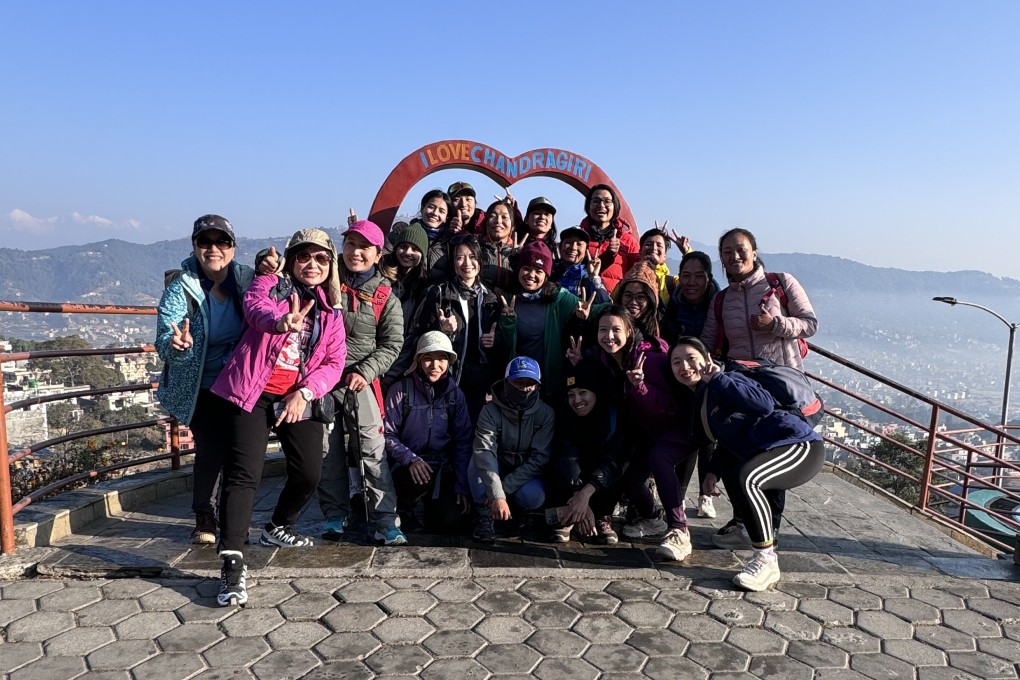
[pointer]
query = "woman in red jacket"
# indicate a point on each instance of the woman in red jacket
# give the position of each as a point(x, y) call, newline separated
point(612, 237)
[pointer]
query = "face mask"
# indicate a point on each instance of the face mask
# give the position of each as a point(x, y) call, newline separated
point(517, 398)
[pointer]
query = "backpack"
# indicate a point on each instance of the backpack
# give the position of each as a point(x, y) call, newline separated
point(777, 288)
point(405, 406)
point(789, 387)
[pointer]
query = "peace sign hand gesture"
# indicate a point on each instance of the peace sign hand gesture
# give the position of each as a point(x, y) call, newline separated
point(636, 375)
point(574, 352)
point(681, 241)
point(447, 324)
point(291, 323)
point(182, 336)
point(594, 266)
point(518, 244)
point(584, 304)
point(508, 309)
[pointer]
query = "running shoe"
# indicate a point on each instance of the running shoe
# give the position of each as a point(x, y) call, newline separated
point(761, 572)
point(233, 580)
point(676, 545)
point(284, 537)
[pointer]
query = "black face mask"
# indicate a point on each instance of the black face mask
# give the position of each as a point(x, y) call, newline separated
point(518, 398)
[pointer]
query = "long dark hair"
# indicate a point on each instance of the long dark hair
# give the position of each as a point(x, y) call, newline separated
point(738, 231)
point(612, 193)
point(713, 286)
point(634, 335)
point(469, 241)
point(437, 193)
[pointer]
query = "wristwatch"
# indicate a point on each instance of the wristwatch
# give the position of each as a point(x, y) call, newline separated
point(306, 393)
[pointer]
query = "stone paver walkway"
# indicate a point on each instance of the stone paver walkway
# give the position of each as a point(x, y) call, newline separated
point(867, 592)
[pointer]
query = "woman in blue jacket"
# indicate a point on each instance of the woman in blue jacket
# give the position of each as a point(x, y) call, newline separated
point(760, 448)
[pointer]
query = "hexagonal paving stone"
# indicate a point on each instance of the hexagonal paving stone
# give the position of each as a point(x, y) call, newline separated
point(191, 637)
point(684, 601)
point(915, 653)
point(122, 654)
point(616, 658)
point(545, 591)
point(204, 610)
point(504, 629)
point(855, 598)
point(107, 612)
point(551, 615)
point(269, 594)
point(491, 583)
point(79, 641)
point(252, 622)
point(449, 643)
point(317, 585)
point(655, 642)
point(671, 668)
point(602, 629)
point(408, 603)
point(817, 654)
point(698, 628)
point(462, 669)
point(405, 660)
point(972, 624)
point(307, 606)
point(801, 591)
point(69, 599)
point(997, 610)
point(937, 598)
point(411, 583)
point(15, 654)
point(1002, 647)
point(913, 611)
point(593, 602)
point(947, 673)
point(884, 625)
point(757, 641)
point(402, 631)
point(553, 643)
point(172, 666)
point(167, 600)
point(502, 602)
point(236, 652)
point(363, 591)
point(556, 669)
point(455, 616)
point(645, 614)
point(880, 666)
point(780, 667)
point(793, 625)
point(944, 638)
point(298, 635)
point(829, 614)
point(886, 591)
point(508, 658)
point(456, 591)
point(350, 618)
point(632, 590)
point(29, 590)
point(737, 613)
point(39, 626)
point(718, 657)
point(127, 589)
point(16, 609)
point(51, 667)
point(771, 600)
point(982, 665)
point(341, 670)
point(341, 646)
point(292, 663)
point(146, 625)
point(852, 641)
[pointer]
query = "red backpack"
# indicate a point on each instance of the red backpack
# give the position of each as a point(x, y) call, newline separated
point(777, 288)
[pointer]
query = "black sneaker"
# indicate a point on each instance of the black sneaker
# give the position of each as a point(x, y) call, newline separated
point(233, 580)
point(484, 531)
point(283, 537)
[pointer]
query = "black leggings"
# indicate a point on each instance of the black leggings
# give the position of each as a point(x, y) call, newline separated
point(783, 468)
point(442, 512)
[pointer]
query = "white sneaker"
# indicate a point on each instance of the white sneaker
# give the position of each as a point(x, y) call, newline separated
point(676, 545)
point(653, 527)
point(760, 573)
point(705, 507)
point(732, 537)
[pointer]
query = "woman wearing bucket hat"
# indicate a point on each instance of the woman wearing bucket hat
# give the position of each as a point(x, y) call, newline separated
point(428, 438)
point(291, 354)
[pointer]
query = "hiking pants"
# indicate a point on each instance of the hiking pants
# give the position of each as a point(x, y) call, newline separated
point(212, 444)
point(660, 461)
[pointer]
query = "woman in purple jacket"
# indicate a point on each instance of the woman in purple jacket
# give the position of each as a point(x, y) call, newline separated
point(292, 353)
point(428, 439)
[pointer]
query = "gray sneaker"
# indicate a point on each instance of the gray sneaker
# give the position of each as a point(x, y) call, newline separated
point(653, 527)
point(732, 537)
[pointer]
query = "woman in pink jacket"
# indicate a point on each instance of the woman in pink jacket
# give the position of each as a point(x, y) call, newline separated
point(292, 353)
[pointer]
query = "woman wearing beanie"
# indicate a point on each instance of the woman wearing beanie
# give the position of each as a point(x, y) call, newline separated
point(406, 268)
point(537, 319)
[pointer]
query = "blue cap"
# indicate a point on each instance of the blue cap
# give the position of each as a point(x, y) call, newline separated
point(524, 367)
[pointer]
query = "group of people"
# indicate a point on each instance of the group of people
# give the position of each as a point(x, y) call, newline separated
point(480, 369)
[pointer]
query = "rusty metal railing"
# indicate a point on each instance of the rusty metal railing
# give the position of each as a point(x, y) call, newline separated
point(8, 505)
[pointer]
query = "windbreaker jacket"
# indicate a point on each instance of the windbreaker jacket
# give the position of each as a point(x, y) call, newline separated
point(614, 267)
point(182, 371)
point(446, 297)
point(247, 373)
point(779, 343)
point(511, 446)
point(427, 431)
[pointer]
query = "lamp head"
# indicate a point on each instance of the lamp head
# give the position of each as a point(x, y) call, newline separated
point(947, 300)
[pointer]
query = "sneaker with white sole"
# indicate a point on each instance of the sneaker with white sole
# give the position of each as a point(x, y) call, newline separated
point(391, 536)
point(760, 573)
point(604, 530)
point(676, 545)
point(333, 528)
point(732, 537)
point(233, 580)
point(652, 527)
point(706, 508)
point(283, 537)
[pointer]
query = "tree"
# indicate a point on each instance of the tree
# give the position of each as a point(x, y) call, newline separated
point(72, 371)
point(901, 454)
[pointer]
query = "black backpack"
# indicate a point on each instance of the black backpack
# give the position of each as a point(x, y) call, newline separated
point(789, 387)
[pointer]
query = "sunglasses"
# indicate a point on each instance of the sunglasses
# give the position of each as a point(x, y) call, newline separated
point(221, 243)
point(321, 259)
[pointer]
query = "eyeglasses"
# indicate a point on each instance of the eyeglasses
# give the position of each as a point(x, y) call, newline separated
point(602, 201)
point(321, 259)
point(221, 243)
point(633, 297)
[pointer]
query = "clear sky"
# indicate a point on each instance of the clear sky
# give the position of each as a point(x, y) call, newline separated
point(885, 132)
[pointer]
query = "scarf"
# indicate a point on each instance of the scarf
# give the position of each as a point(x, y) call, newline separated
point(465, 292)
point(662, 274)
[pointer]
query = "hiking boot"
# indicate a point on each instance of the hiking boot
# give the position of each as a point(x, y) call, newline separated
point(760, 573)
point(604, 531)
point(485, 530)
point(561, 534)
point(233, 580)
point(676, 545)
point(705, 507)
point(283, 537)
point(204, 532)
point(732, 537)
point(652, 527)
point(391, 536)
point(333, 529)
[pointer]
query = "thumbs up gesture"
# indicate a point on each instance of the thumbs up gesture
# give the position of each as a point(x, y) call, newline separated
point(447, 323)
point(489, 339)
point(270, 263)
point(292, 321)
point(352, 217)
point(614, 243)
point(182, 336)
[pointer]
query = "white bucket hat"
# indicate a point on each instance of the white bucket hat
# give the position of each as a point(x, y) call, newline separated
point(433, 341)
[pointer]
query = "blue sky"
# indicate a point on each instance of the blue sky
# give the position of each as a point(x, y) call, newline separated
point(884, 132)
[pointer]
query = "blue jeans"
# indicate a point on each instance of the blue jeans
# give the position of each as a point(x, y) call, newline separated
point(531, 496)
